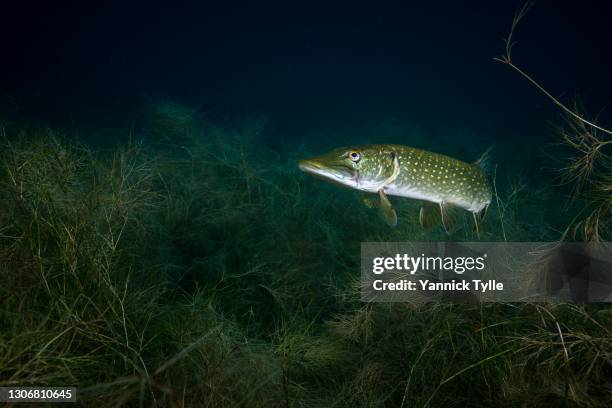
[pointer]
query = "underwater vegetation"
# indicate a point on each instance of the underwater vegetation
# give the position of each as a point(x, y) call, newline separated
point(588, 169)
point(193, 266)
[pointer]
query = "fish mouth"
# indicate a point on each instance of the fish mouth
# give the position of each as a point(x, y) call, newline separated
point(309, 166)
point(338, 174)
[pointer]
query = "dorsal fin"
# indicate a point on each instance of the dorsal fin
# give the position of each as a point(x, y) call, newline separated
point(485, 161)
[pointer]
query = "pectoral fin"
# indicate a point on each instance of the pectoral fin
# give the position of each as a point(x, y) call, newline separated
point(370, 201)
point(386, 209)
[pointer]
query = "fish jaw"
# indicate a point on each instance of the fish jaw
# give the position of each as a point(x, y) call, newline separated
point(338, 174)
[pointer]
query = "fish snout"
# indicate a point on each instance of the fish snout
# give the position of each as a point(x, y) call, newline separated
point(309, 166)
point(329, 172)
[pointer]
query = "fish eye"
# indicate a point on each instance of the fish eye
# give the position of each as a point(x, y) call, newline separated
point(354, 156)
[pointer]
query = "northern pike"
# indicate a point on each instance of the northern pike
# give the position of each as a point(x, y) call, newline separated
point(441, 182)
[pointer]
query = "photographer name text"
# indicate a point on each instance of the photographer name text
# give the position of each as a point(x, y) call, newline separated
point(427, 285)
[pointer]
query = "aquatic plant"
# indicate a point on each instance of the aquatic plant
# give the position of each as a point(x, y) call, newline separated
point(66, 222)
point(169, 121)
point(589, 172)
point(206, 271)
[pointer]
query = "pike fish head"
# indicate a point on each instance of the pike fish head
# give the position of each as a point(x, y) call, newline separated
point(362, 168)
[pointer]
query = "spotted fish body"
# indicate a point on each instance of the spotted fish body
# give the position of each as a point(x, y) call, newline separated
point(439, 179)
point(408, 172)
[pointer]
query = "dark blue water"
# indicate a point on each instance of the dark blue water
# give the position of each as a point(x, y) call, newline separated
point(309, 68)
